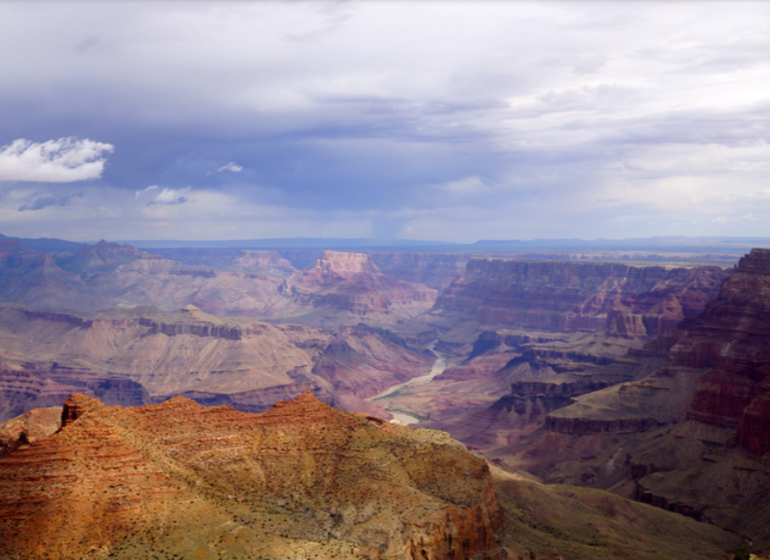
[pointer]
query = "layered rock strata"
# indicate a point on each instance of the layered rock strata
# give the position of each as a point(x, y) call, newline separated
point(347, 289)
point(109, 275)
point(435, 270)
point(570, 296)
point(182, 479)
point(132, 357)
point(691, 436)
point(546, 326)
point(28, 428)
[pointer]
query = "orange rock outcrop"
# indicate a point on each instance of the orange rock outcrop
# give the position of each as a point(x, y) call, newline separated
point(302, 480)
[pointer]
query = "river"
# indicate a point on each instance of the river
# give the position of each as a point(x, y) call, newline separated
point(399, 416)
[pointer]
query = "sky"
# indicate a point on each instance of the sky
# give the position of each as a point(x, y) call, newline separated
point(436, 120)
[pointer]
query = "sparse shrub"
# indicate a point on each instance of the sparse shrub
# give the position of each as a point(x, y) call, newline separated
point(742, 554)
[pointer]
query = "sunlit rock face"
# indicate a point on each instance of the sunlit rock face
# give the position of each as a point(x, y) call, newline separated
point(302, 479)
point(347, 289)
point(28, 428)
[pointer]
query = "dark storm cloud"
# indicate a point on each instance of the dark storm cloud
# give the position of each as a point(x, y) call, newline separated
point(45, 201)
point(452, 120)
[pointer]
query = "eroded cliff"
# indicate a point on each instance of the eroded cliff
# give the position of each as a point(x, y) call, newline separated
point(182, 479)
point(347, 289)
point(572, 296)
point(131, 357)
point(691, 435)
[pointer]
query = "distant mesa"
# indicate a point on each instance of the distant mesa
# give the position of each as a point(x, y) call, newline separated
point(346, 289)
point(350, 263)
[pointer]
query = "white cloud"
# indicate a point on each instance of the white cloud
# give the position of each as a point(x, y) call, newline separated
point(466, 187)
point(145, 191)
point(232, 166)
point(171, 196)
point(166, 196)
point(56, 161)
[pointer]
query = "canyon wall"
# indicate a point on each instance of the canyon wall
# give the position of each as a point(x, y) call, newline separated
point(346, 289)
point(132, 357)
point(570, 296)
point(435, 270)
point(341, 289)
point(551, 324)
point(691, 435)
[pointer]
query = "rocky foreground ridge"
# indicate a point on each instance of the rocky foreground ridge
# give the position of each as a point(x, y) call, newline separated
point(539, 522)
point(302, 480)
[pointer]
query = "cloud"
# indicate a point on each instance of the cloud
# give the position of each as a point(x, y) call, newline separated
point(543, 119)
point(45, 201)
point(169, 196)
point(166, 196)
point(145, 191)
point(55, 161)
point(232, 166)
point(466, 187)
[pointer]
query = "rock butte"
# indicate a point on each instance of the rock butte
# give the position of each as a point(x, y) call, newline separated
point(302, 478)
point(347, 288)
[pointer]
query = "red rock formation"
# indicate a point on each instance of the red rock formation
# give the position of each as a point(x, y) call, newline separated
point(753, 431)
point(301, 478)
point(121, 356)
point(691, 435)
point(28, 428)
point(570, 296)
point(348, 288)
point(343, 288)
point(732, 335)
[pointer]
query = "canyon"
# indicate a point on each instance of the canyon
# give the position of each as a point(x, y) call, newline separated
point(346, 288)
point(647, 382)
point(340, 289)
point(552, 330)
point(690, 435)
point(144, 355)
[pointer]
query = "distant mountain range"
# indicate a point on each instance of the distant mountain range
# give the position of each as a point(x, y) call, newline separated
point(663, 244)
